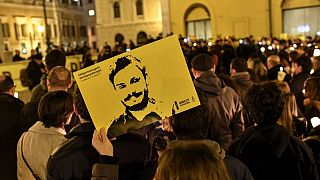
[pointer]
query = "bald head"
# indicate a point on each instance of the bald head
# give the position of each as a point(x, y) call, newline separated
point(59, 79)
point(6, 85)
point(272, 61)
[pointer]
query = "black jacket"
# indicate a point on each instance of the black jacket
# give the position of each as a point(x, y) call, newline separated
point(272, 153)
point(296, 87)
point(74, 158)
point(10, 108)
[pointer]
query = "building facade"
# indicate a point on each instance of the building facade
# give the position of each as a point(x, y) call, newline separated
point(24, 28)
point(125, 20)
point(206, 19)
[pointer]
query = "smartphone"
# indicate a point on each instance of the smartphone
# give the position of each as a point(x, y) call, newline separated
point(316, 52)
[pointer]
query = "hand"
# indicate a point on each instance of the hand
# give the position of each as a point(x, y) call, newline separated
point(101, 143)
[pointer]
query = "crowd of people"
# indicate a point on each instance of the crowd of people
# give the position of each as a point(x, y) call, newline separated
point(259, 119)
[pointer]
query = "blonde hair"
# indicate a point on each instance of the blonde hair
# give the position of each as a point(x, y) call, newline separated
point(258, 68)
point(290, 110)
point(192, 159)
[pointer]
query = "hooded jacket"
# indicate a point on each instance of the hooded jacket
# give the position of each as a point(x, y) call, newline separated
point(223, 107)
point(272, 153)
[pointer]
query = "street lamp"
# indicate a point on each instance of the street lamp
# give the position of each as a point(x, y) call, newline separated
point(46, 23)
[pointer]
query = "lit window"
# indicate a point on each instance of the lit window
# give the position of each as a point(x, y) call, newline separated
point(91, 12)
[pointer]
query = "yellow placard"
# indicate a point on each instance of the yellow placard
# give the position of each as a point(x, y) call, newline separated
point(138, 87)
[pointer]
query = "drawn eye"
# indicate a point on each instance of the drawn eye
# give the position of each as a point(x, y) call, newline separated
point(134, 80)
point(121, 86)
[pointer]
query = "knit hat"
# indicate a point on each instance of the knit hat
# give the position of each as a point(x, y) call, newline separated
point(202, 62)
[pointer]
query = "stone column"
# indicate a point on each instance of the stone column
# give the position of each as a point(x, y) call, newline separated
point(165, 17)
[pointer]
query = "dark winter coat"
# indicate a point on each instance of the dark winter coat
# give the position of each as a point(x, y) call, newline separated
point(74, 158)
point(296, 86)
point(272, 153)
point(10, 108)
point(223, 106)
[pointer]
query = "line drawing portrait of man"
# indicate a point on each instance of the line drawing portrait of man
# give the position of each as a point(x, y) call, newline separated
point(129, 79)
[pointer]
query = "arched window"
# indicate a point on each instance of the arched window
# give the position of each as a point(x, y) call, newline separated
point(142, 38)
point(198, 22)
point(116, 10)
point(119, 38)
point(139, 7)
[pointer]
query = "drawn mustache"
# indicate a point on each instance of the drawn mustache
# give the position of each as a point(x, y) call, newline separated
point(134, 94)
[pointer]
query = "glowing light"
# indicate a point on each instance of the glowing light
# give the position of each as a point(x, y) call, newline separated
point(316, 52)
point(240, 41)
point(303, 28)
point(40, 28)
point(260, 43)
point(194, 44)
point(278, 47)
point(281, 69)
point(318, 33)
point(291, 48)
point(16, 95)
point(309, 45)
point(311, 71)
point(295, 45)
point(315, 121)
point(262, 49)
point(185, 40)
point(24, 50)
point(209, 43)
point(91, 12)
point(270, 48)
point(128, 49)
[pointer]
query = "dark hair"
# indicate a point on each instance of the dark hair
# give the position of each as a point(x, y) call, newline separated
point(59, 76)
point(293, 55)
point(54, 108)
point(80, 105)
point(264, 103)
point(305, 62)
point(239, 64)
point(6, 84)
point(191, 124)
point(55, 58)
point(312, 88)
point(123, 62)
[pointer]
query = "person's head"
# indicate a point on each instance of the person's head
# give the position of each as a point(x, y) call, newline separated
point(284, 86)
point(7, 85)
point(312, 88)
point(272, 61)
point(200, 64)
point(129, 79)
point(293, 55)
point(315, 62)
point(290, 110)
point(258, 69)
point(203, 162)
point(80, 107)
point(33, 52)
point(191, 124)
point(17, 52)
point(55, 108)
point(301, 64)
point(238, 65)
point(264, 104)
point(59, 78)
point(55, 58)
